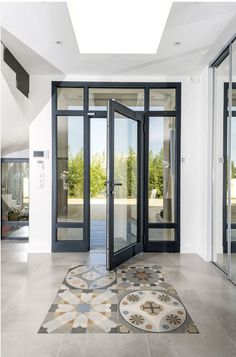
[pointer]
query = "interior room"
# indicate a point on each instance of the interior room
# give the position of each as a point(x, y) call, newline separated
point(118, 178)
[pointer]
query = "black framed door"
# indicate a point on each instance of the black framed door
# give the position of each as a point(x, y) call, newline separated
point(124, 185)
point(75, 108)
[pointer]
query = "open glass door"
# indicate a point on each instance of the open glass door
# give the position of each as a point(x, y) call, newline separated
point(124, 184)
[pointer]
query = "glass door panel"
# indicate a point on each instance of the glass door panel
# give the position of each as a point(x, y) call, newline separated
point(220, 255)
point(233, 165)
point(98, 133)
point(125, 181)
point(123, 185)
point(70, 169)
point(161, 184)
point(162, 213)
point(70, 184)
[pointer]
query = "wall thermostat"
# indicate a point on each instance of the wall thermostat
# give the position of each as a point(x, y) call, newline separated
point(42, 154)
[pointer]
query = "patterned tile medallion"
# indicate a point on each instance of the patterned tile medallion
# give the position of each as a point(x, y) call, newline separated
point(152, 311)
point(82, 311)
point(89, 277)
point(133, 299)
point(136, 277)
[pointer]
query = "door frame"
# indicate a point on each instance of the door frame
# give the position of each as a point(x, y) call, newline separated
point(69, 246)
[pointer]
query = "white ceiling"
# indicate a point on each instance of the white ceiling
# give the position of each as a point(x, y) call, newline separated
point(30, 31)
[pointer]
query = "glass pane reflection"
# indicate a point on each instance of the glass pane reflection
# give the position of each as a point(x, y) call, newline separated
point(69, 234)
point(125, 175)
point(131, 98)
point(70, 98)
point(162, 99)
point(70, 169)
point(15, 191)
point(161, 234)
point(161, 185)
point(221, 76)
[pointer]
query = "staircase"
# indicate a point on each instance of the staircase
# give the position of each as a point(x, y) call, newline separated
point(9, 201)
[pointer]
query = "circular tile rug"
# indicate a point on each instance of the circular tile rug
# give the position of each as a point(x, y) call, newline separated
point(152, 311)
point(90, 277)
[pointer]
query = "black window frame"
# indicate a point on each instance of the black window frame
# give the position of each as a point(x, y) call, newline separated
point(158, 246)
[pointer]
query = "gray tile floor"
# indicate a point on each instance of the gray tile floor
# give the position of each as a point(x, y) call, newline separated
point(30, 283)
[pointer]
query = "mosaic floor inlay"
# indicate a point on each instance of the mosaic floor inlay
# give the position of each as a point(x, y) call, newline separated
point(136, 277)
point(131, 299)
point(89, 277)
point(152, 311)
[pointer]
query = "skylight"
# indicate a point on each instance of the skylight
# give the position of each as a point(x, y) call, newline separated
point(118, 26)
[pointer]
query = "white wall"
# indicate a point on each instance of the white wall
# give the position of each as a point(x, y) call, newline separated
point(40, 139)
point(21, 154)
point(193, 169)
point(204, 248)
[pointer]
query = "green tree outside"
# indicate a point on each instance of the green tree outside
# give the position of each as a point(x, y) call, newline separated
point(233, 170)
point(156, 173)
point(97, 175)
point(76, 175)
point(125, 172)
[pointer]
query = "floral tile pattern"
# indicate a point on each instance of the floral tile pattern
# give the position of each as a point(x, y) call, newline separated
point(82, 311)
point(132, 299)
point(152, 311)
point(136, 277)
point(89, 277)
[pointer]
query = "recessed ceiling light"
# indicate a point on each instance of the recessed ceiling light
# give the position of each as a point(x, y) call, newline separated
point(177, 44)
point(130, 28)
point(59, 43)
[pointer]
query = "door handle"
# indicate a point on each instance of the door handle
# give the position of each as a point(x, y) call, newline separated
point(111, 189)
point(113, 186)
